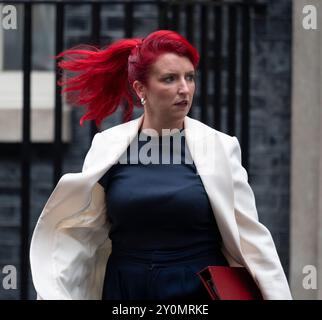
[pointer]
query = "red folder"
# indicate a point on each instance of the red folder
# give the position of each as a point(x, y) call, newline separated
point(229, 283)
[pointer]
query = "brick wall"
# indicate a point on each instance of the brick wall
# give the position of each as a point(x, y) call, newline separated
point(270, 122)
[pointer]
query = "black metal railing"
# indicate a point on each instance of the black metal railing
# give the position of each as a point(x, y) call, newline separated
point(234, 17)
point(25, 155)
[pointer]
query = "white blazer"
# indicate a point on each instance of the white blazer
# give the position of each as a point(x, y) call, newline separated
point(70, 244)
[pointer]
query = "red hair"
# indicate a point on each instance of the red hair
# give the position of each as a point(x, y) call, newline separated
point(103, 78)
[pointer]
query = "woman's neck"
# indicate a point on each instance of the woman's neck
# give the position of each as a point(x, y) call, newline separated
point(159, 128)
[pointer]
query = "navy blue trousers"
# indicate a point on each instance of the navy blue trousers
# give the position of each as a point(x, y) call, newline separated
point(158, 275)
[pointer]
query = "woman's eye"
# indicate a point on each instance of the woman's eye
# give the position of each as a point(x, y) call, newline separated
point(168, 79)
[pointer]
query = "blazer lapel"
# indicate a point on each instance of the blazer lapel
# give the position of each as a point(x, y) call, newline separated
point(114, 142)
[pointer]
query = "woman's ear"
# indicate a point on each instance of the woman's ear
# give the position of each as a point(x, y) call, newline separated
point(139, 88)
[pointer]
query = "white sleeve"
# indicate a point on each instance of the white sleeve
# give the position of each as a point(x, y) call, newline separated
point(256, 241)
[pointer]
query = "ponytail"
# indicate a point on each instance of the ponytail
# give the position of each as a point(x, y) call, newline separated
point(101, 82)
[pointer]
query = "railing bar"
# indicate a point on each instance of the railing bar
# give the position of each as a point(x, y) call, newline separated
point(231, 104)
point(204, 64)
point(128, 33)
point(162, 14)
point(59, 44)
point(175, 19)
point(128, 20)
point(95, 36)
point(217, 68)
point(26, 153)
point(189, 26)
point(245, 91)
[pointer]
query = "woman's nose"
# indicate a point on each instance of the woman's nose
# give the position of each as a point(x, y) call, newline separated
point(183, 88)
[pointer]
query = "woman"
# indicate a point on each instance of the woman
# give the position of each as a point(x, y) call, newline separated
point(136, 223)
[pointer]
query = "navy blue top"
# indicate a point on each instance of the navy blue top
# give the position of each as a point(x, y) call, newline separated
point(158, 205)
